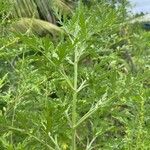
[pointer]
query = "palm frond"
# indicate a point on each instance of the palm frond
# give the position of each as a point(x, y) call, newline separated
point(36, 26)
point(63, 6)
point(45, 10)
point(38, 16)
point(40, 9)
point(24, 8)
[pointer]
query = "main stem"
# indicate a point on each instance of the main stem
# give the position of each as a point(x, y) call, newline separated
point(74, 102)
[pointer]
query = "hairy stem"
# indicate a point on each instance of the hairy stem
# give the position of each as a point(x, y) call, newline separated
point(74, 101)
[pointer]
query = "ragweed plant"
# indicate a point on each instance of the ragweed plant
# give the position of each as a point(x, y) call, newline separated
point(78, 92)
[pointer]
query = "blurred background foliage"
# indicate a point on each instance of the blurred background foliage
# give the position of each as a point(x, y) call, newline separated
point(50, 11)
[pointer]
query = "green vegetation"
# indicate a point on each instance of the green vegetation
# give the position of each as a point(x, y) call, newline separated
point(82, 85)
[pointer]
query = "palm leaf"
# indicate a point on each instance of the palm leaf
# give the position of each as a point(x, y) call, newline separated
point(24, 8)
point(36, 26)
point(64, 7)
point(40, 9)
point(33, 12)
point(45, 10)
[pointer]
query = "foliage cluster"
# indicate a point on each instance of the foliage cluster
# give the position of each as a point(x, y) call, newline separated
point(89, 89)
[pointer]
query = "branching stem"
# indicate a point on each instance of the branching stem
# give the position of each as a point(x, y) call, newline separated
point(74, 102)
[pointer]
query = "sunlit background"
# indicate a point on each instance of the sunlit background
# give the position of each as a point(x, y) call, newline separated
point(139, 6)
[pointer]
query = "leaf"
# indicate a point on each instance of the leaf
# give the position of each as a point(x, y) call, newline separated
point(36, 26)
point(2, 81)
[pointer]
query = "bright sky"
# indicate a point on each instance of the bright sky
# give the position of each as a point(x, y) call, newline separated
point(140, 6)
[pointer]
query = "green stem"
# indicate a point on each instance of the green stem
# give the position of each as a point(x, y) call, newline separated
point(74, 113)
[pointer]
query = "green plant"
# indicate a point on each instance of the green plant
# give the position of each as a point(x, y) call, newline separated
point(37, 17)
point(80, 91)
